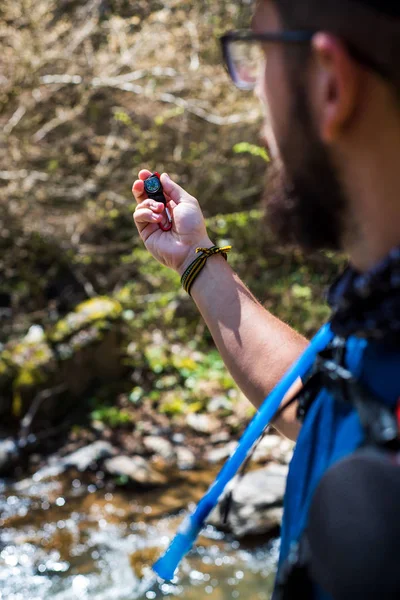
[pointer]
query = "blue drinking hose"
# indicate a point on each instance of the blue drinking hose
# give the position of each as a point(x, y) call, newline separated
point(190, 528)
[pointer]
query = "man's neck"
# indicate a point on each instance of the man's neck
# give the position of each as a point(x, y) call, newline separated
point(371, 247)
point(374, 188)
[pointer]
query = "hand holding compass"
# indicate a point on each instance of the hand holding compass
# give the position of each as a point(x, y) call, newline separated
point(153, 188)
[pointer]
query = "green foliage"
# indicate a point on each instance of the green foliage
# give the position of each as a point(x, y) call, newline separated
point(157, 358)
point(121, 480)
point(246, 148)
point(136, 395)
point(123, 117)
point(111, 416)
point(185, 380)
point(172, 406)
point(161, 119)
point(3, 367)
point(53, 165)
point(68, 229)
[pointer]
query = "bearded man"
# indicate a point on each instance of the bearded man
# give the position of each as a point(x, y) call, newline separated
point(328, 76)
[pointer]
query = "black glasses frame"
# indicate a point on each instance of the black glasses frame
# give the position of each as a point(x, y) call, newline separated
point(289, 37)
point(246, 35)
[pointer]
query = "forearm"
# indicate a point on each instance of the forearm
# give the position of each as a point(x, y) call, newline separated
point(256, 347)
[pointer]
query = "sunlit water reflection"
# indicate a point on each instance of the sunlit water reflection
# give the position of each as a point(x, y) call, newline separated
point(64, 542)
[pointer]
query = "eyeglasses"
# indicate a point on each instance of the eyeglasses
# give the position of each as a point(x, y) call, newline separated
point(243, 57)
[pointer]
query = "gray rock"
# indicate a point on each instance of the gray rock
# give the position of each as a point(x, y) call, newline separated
point(284, 452)
point(274, 447)
point(43, 474)
point(217, 455)
point(219, 403)
point(178, 438)
point(49, 471)
point(82, 458)
point(220, 437)
point(9, 453)
point(202, 423)
point(135, 468)
point(186, 460)
point(257, 500)
point(159, 446)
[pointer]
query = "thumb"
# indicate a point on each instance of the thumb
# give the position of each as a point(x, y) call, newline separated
point(173, 190)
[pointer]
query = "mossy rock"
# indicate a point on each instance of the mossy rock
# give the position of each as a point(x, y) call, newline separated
point(27, 360)
point(38, 363)
point(96, 313)
point(25, 365)
point(6, 377)
point(4, 368)
point(83, 349)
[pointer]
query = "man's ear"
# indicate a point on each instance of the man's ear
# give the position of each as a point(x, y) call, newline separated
point(335, 85)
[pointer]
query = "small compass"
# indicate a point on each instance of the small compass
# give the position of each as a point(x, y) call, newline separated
point(154, 190)
point(152, 185)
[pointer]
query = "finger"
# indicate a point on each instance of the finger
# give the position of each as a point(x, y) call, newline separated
point(147, 229)
point(171, 205)
point(145, 219)
point(146, 215)
point(153, 205)
point(138, 187)
point(138, 191)
point(173, 190)
point(144, 174)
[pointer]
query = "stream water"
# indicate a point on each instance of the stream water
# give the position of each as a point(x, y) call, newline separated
point(67, 539)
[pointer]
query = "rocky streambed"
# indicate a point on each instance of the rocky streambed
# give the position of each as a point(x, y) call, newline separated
point(90, 523)
point(110, 430)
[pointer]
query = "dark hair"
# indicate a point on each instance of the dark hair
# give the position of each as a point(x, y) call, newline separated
point(371, 28)
point(388, 7)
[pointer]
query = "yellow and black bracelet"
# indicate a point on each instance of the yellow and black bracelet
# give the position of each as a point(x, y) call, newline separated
point(196, 266)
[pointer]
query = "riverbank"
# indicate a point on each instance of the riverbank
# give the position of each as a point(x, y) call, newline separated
point(141, 362)
point(68, 539)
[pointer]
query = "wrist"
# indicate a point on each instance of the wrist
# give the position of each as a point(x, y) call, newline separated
point(192, 255)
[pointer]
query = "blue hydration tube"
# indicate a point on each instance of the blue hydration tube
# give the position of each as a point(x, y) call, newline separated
point(188, 531)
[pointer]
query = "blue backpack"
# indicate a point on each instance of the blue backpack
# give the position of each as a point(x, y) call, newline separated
point(341, 526)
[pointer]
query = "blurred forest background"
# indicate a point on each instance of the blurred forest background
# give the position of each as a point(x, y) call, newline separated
point(91, 91)
point(115, 408)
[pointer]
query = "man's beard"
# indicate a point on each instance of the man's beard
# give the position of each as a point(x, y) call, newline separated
point(305, 201)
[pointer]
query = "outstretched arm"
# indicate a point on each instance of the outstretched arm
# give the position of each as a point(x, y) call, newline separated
point(256, 347)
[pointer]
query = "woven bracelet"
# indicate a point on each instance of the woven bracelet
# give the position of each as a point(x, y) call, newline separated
point(197, 265)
